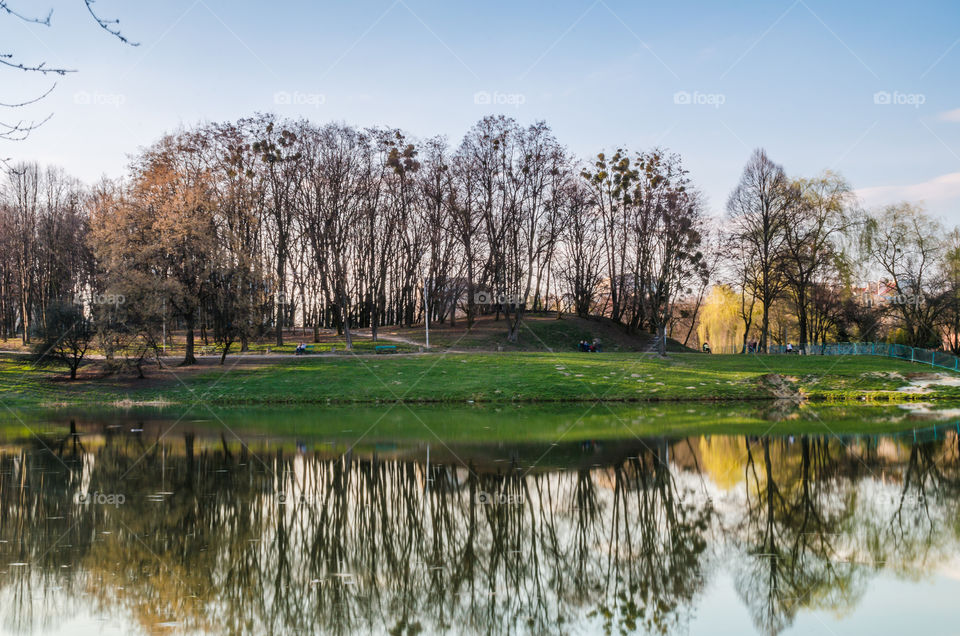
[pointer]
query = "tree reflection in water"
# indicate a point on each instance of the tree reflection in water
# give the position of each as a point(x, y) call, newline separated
point(211, 536)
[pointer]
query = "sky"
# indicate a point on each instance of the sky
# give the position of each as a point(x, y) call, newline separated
point(866, 89)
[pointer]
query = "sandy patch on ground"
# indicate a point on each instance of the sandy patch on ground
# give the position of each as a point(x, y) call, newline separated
point(924, 382)
point(778, 386)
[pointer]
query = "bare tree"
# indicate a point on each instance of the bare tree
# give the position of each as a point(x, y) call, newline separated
point(580, 255)
point(817, 216)
point(909, 246)
point(758, 210)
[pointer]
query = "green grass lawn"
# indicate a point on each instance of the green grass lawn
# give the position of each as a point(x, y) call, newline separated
point(484, 377)
point(533, 377)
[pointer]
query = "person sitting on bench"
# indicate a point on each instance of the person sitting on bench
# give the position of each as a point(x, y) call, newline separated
point(706, 347)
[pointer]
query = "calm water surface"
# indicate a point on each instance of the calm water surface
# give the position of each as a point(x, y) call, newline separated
point(123, 524)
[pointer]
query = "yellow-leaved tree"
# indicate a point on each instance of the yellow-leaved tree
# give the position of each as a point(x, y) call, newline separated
point(720, 322)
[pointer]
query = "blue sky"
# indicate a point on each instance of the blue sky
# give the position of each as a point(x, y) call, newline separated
point(865, 88)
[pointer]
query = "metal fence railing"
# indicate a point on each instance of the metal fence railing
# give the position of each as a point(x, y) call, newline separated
point(941, 359)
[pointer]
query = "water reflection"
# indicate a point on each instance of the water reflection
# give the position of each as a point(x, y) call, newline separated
point(197, 532)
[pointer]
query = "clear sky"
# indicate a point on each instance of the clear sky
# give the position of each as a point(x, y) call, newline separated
point(869, 89)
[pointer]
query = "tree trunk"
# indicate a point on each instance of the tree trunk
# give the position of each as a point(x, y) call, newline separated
point(189, 357)
point(346, 332)
point(226, 349)
point(765, 327)
point(746, 332)
point(24, 319)
point(802, 322)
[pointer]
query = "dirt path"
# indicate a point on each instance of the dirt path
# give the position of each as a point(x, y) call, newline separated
point(414, 343)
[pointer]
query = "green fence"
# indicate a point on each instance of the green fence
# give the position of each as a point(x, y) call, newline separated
point(940, 359)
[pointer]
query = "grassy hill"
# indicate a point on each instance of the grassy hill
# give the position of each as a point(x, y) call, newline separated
point(539, 332)
point(560, 377)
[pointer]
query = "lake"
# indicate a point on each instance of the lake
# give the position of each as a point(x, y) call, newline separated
point(658, 519)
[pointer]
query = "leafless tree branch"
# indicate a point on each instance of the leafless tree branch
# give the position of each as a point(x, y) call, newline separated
point(21, 129)
point(6, 59)
point(30, 101)
point(110, 26)
point(44, 21)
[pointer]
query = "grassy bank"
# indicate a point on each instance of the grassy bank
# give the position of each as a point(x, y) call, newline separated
point(494, 378)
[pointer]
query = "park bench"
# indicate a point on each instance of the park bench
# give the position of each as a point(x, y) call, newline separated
point(386, 348)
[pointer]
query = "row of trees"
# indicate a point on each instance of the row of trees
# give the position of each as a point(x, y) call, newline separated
point(241, 229)
point(43, 221)
point(802, 259)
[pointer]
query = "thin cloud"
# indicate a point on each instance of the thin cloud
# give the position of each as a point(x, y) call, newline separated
point(950, 115)
point(943, 188)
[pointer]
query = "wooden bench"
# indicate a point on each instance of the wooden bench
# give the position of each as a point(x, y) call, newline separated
point(386, 348)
